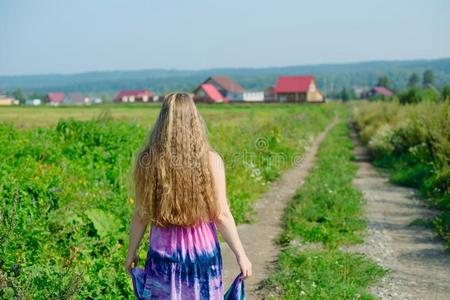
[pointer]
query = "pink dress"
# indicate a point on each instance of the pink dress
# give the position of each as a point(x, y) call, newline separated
point(184, 263)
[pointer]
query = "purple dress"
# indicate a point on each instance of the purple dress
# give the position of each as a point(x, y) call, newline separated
point(184, 263)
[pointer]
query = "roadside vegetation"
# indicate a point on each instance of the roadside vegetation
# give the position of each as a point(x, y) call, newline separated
point(412, 141)
point(326, 214)
point(65, 198)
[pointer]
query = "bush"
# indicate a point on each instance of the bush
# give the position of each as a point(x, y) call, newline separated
point(410, 96)
point(445, 96)
point(415, 95)
point(414, 141)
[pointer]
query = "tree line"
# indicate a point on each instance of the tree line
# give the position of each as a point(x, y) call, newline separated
point(418, 88)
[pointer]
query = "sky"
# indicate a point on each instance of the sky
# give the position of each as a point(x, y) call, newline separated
point(66, 36)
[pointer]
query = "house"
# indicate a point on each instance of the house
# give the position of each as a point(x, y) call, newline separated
point(130, 96)
point(55, 98)
point(297, 89)
point(379, 91)
point(33, 102)
point(269, 94)
point(6, 100)
point(226, 87)
point(249, 96)
point(77, 98)
point(208, 93)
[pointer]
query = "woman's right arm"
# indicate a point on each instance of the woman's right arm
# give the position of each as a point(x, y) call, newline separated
point(225, 221)
point(137, 230)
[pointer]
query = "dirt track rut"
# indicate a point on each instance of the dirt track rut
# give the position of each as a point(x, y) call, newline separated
point(419, 262)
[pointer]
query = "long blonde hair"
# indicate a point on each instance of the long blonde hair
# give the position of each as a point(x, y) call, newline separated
point(172, 175)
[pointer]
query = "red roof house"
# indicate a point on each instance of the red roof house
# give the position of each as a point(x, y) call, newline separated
point(297, 89)
point(55, 98)
point(227, 83)
point(130, 96)
point(226, 87)
point(208, 93)
point(293, 84)
point(381, 91)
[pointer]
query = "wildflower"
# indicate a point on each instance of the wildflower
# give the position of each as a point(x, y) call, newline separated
point(381, 140)
point(255, 172)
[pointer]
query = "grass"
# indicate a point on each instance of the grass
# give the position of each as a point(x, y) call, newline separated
point(327, 208)
point(422, 223)
point(65, 203)
point(324, 274)
point(142, 114)
point(412, 142)
point(326, 211)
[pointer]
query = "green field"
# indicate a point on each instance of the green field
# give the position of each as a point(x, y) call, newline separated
point(66, 201)
point(143, 114)
point(65, 178)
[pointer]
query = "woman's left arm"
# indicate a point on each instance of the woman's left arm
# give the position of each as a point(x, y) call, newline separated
point(137, 230)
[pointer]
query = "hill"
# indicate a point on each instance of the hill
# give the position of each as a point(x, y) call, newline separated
point(330, 77)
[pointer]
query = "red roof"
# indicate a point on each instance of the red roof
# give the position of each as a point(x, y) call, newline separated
point(293, 84)
point(382, 91)
point(227, 84)
point(213, 93)
point(55, 97)
point(136, 93)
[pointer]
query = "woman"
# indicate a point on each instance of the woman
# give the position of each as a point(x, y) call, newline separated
point(180, 189)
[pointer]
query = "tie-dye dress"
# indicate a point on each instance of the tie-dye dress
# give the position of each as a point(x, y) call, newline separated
point(184, 263)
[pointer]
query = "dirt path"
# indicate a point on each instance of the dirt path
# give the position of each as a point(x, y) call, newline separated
point(258, 238)
point(419, 262)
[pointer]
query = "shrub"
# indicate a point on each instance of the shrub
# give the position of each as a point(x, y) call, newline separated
point(416, 95)
point(414, 141)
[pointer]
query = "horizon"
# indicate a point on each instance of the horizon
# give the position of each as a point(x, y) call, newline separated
point(230, 68)
point(63, 37)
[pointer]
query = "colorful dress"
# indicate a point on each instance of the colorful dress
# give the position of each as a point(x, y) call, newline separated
point(184, 263)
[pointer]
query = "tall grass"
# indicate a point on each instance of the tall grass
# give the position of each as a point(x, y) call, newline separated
point(413, 141)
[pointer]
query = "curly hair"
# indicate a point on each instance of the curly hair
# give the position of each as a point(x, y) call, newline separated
point(172, 175)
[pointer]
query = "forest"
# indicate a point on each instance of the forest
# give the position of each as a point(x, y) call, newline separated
point(331, 78)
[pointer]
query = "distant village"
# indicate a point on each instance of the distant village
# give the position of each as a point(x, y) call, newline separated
point(215, 89)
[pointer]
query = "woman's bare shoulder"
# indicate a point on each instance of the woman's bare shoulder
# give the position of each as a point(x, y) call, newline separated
point(215, 159)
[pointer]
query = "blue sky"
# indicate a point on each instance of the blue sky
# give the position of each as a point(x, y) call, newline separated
point(61, 36)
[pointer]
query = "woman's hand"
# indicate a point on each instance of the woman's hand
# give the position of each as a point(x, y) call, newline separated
point(131, 259)
point(245, 265)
